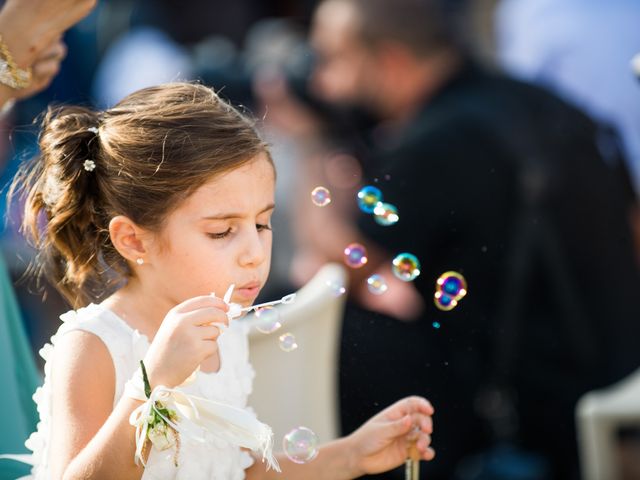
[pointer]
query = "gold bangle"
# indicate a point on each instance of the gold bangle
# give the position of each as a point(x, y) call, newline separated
point(10, 74)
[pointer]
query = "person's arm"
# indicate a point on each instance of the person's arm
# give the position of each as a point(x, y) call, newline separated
point(379, 445)
point(89, 437)
point(28, 27)
point(32, 31)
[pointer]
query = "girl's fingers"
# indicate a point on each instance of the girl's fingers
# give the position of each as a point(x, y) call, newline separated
point(426, 424)
point(206, 316)
point(410, 405)
point(203, 301)
point(429, 454)
point(400, 427)
point(423, 442)
point(419, 404)
point(209, 333)
point(423, 422)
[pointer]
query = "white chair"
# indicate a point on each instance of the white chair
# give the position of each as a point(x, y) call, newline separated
point(599, 415)
point(300, 388)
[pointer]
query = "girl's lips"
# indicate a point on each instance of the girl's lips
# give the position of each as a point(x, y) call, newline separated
point(247, 293)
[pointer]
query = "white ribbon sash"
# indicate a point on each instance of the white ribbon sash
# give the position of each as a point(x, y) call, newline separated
point(197, 415)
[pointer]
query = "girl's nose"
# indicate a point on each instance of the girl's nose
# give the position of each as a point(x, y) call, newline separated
point(254, 250)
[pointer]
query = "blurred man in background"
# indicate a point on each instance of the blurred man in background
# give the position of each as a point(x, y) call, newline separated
point(497, 180)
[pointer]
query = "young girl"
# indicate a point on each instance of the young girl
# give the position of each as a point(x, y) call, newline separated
point(155, 204)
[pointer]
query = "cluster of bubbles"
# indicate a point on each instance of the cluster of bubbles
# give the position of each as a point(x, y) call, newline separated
point(355, 255)
point(406, 266)
point(370, 201)
point(268, 322)
point(451, 287)
point(321, 196)
point(300, 445)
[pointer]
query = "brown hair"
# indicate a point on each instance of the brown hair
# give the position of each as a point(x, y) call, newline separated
point(150, 151)
point(423, 26)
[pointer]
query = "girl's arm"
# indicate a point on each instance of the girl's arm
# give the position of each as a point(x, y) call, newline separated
point(377, 446)
point(89, 440)
point(89, 437)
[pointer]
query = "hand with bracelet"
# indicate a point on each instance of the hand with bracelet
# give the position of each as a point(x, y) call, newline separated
point(30, 43)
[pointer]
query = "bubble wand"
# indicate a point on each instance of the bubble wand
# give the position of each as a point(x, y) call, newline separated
point(412, 464)
point(235, 310)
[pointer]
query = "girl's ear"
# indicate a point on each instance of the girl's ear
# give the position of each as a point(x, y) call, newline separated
point(128, 238)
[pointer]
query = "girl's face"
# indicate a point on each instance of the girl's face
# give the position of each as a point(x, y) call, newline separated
point(220, 235)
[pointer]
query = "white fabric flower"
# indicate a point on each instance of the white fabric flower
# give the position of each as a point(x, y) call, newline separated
point(162, 436)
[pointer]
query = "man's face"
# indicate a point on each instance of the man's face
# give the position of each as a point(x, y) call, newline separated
point(346, 70)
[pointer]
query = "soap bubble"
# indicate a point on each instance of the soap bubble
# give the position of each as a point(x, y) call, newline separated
point(452, 284)
point(377, 284)
point(355, 255)
point(368, 198)
point(320, 196)
point(444, 302)
point(300, 445)
point(288, 342)
point(406, 267)
point(385, 214)
point(336, 288)
point(268, 320)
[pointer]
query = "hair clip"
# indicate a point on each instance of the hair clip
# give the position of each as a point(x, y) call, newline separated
point(93, 130)
point(89, 165)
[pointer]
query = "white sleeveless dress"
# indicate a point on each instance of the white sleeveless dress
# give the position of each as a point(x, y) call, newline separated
point(213, 460)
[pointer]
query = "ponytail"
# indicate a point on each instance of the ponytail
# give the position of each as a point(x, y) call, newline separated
point(62, 214)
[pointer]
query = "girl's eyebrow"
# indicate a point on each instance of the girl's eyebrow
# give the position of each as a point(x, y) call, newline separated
point(226, 216)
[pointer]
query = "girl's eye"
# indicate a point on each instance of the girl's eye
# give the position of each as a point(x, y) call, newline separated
point(261, 227)
point(219, 236)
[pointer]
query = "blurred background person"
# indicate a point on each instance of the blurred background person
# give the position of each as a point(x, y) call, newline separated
point(493, 178)
point(581, 50)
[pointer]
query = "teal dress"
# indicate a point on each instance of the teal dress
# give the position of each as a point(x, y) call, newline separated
point(19, 378)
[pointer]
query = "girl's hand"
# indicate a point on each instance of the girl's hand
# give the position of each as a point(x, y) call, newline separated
point(184, 340)
point(382, 443)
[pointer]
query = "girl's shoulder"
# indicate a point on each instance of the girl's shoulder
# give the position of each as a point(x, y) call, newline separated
point(93, 318)
point(114, 332)
point(124, 344)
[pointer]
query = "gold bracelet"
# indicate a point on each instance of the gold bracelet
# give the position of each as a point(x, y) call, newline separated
point(10, 74)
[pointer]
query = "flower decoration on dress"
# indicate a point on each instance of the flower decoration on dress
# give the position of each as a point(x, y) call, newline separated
point(161, 422)
point(89, 165)
point(168, 414)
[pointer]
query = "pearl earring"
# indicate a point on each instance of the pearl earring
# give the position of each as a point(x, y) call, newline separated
point(139, 261)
